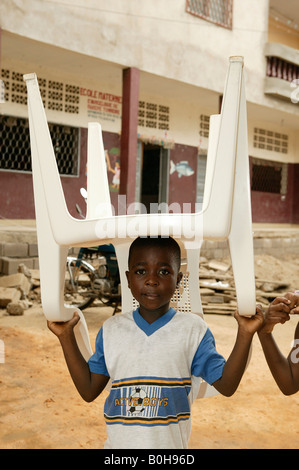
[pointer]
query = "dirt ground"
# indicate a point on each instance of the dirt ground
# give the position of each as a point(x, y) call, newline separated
point(40, 408)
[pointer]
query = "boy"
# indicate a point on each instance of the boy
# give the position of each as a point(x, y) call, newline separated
point(152, 354)
point(284, 370)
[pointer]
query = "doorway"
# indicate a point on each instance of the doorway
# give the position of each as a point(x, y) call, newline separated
point(154, 177)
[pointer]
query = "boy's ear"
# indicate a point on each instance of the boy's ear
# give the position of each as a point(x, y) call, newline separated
point(179, 278)
point(127, 274)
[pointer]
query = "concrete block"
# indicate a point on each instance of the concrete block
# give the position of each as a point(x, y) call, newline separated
point(223, 245)
point(210, 244)
point(15, 250)
point(218, 253)
point(32, 249)
point(10, 265)
point(286, 243)
point(267, 243)
point(18, 280)
point(258, 242)
point(7, 295)
point(276, 242)
point(73, 251)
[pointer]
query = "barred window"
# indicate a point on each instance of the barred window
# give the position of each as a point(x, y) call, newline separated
point(269, 177)
point(219, 12)
point(15, 152)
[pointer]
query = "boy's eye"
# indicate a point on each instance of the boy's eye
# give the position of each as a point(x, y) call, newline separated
point(164, 272)
point(140, 271)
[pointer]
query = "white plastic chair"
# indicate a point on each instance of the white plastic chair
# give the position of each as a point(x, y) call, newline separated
point(225, 215)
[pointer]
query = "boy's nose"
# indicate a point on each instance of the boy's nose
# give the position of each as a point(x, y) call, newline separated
point(152, 281)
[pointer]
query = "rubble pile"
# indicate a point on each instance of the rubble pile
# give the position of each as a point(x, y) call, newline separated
point(19, 291)
point(217, 286)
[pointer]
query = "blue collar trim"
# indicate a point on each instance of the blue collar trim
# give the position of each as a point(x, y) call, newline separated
point(148, 328)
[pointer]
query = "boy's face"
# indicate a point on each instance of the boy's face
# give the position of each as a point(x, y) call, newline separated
point(153, 277)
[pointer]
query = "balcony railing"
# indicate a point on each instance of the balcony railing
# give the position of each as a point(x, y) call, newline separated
point(280, 68)
point(282, 72)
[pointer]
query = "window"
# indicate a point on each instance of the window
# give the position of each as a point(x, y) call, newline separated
point(153, 115)
point(219, 12)
point(56, 95)
point(204, 125)
point(269, 177)
point(15, 152)
point(270, 140)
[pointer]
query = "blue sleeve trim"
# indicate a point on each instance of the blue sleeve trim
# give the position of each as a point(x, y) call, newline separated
point(207, 362)
point(97, 362)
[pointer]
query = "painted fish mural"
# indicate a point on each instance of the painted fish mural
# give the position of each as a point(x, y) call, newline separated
point(182, 168)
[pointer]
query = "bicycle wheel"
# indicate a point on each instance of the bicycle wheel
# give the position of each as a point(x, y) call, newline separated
point(79, 283)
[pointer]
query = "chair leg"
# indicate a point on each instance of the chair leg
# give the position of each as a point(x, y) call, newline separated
point(240, 238)
point(122, 251)
point(52, 257)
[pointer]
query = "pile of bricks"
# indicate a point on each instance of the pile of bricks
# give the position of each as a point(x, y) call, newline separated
point(14, 254)
point(17, 262)
point(217, 287)
point(18, 291)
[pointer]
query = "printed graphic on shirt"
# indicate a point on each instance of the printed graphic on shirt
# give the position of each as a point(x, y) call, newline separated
point(148, 401)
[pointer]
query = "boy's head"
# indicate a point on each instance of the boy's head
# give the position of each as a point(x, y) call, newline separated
point(166, 243)
point(153, 274)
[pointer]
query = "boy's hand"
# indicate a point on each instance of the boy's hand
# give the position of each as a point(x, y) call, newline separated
point(63, 328)
point(250, 324)
point(277, 312)
point(294, 302)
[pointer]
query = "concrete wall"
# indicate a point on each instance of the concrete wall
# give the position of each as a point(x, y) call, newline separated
point(160, 38)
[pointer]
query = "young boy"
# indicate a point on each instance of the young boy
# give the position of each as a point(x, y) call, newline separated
point(285, 370)
point(151, 355)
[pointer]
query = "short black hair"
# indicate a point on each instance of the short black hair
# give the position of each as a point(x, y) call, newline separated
point(168, 243)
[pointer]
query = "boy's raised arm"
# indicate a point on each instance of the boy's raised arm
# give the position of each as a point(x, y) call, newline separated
point(285, 370)
point(236, 363)
point(88, 384)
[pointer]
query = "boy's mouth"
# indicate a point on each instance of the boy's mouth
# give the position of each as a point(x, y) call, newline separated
point(151, 295)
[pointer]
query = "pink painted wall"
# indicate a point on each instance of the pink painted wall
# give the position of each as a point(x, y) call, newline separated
point(183, 189)
point(277, 208)
point(16, 193)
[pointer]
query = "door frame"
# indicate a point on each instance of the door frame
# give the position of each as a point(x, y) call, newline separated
point(163, 173)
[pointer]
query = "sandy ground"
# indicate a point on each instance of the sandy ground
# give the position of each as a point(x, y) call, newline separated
point(40, 408)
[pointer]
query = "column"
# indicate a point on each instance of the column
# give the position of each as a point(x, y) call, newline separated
point(128, 143)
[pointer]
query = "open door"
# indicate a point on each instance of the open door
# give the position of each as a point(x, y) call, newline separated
point(153, 177)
